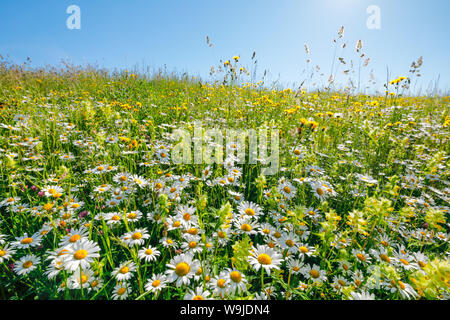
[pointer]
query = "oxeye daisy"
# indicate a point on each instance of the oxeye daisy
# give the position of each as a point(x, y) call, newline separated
point(220, 285)
point(156, 283)
point(361, 256)
point(112, 203)
point(313, 214)
point(186, 215)
point(314, 170)
point(249, 209)
point(206, 173)
point(197, 294)
point(404, 289)
point(237, 281)
point(149, 254)
point(294, 266)
point(133, 216)
point(136, 237)
point(287, 190)
point(81, 254)
point(26, 264)
point(163, 155)
point(303, 232)
point(113, 218)
point(221, 236)
point(101, 189)
point(173, 223)
point(155, 216)
point(199, 274)
point(168, 242)
point(314, 273)
point(381, 255)
point(138, 181)
point(73, 236)
point(366, 179)
point(420, 258)
point(404, 261)
point(125, 271)
point(182, 269)
point(298, 152)
point(261, 296)
point(53, 191)
point(158, 186)
point(345, 266)
point(209, 244)
point(365, 295)
point(319, 191)
point(95, 284)
point(120, 291)
point(265, 257)
point(339, 282)
point(266, 229)
point(10, 201)
point(288, 241)
point(6, 253)
point(80, 279)
point(26, 241)
point(174, 191)
point(304, 249)
point(191, 244)
point(245, 226)
point(54, 268)
point(236, 196)
point(183, 180)
point(358, 278)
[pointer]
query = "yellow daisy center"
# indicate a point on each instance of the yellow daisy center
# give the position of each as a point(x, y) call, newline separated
point(221, 283)
point(176, 224)
point(249, 212)
point(361, 257)
point(74, 238)
point(80, 254)
point(132, 215)
point(182, 269)
point(192, 244)
point(156, 283)
point(314, 273)
point(26, 241)
point(303, 249)
point(264, 258)
point(124, 270)
point(136, 236)
point(235, 276)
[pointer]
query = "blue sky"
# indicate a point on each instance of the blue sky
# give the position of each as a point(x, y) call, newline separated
point(154, 33)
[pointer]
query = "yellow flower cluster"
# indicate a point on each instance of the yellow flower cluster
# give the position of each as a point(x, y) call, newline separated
point(398, 80)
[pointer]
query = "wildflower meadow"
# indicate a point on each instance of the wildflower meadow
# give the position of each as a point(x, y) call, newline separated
point(119, 185)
